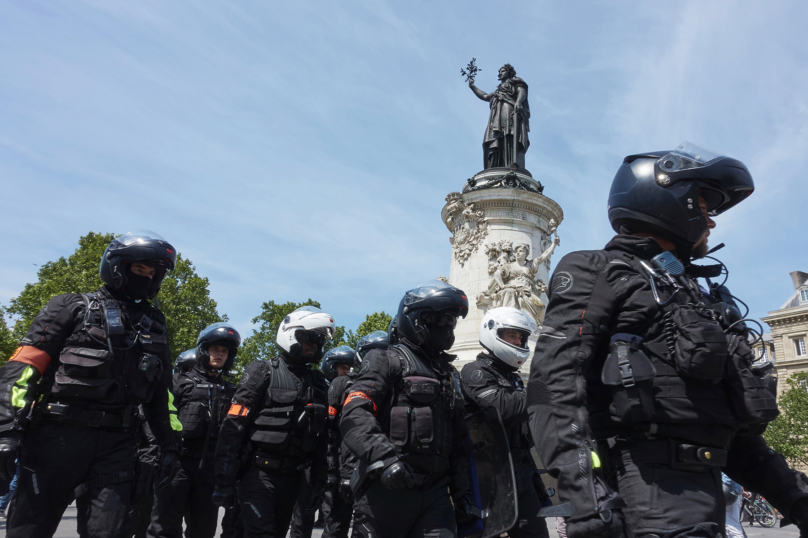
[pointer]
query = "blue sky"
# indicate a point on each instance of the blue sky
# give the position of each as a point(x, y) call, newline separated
point(304, 149)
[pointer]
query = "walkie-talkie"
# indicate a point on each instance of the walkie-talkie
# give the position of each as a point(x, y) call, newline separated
point(113, 324)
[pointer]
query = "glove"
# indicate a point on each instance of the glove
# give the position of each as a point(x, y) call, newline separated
point(168, 467)
point(315, 497)
point(345, 490)
point(398, 475)
point(223, 496)
point(607, 524)
point(9, 450)
point(465, 509)
point(332, 483)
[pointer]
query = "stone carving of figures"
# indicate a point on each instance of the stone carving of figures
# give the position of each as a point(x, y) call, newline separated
point(513, 278)
point(468, 226)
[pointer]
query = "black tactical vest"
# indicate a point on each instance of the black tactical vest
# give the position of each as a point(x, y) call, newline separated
point(202, 414)
point(674, 372)
point(424, 401)
point(113, 358)
point(294, 412)
point(519, 437)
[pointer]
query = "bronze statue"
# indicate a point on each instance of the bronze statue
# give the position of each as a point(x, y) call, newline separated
point(509, 119)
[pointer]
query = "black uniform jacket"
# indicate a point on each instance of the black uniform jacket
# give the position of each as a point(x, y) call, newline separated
point(488, 382)
point(202, 400)
point(365, 422)
point(58, 325)
point(248, 401)
point(594, 295)
point(341, 461)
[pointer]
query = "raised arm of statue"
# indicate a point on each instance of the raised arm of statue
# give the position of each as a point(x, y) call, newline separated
point(536, 262)
point(479, 93)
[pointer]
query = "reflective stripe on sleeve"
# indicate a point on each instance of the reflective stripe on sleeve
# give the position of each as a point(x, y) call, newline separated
point(176, 425)
point(20, 388)
point(332, 411)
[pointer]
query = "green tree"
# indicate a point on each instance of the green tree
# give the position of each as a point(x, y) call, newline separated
point(184, 296)
point(788, 434)
point(7, 342)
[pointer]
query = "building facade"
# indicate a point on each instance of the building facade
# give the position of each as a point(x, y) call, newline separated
point(786, 344)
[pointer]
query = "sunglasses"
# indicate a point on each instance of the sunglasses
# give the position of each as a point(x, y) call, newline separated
point(441, 319)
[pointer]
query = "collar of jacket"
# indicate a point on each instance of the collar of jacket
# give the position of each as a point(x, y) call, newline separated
point(295, 366)
point(207, 374)
point(495, 363)
point(642, 247)
point(424, 354)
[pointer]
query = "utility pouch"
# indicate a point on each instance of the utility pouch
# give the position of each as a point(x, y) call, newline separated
point(752, 389)
point(84, 373)
point(629, 373)
point(194, 417)
point(400, 426)
point(421, 389)
point(146, 377)
point(696, 342)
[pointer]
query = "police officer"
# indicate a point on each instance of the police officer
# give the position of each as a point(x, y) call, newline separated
point(404, 421)
point(338, 499)
point(277, 423)
point(86, 363)
point(184, 363)
point(202, 397)
point(641, 387)
point(493, 381)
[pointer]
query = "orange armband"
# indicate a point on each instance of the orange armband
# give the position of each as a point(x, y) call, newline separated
point(237, 410)
point(359, 395)
point(33, 357)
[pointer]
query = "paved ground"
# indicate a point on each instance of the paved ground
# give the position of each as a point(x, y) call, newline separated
point(67, 529)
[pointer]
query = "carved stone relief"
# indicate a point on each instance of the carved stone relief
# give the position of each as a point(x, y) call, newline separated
point(469, 227)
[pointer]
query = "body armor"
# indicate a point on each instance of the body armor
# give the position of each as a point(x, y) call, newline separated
point(202, 412)
point(293, 415)
point(424, 401)
point(676, 370)
point(112, 360)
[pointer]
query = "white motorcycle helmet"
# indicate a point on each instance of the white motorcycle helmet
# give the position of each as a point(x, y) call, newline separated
point(498, 320)
point(306, 324)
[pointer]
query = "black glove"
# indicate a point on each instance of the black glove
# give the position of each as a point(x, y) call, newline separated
point(607, 524)
point(398, 475)
point(315, 497)
point(345, 490)
point(168, 467)
point(9, 450)
point(223, 496)
point(466, 509)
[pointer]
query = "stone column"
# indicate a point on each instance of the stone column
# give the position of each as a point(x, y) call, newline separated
point(498, 207)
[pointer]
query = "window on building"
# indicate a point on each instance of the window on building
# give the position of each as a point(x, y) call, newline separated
point(799, 347)
point(803, 295)
point(763, 354)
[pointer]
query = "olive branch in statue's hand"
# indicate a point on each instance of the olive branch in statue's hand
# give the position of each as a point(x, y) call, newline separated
point(471, 71)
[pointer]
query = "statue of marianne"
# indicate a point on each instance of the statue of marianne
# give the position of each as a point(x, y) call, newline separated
point(509, 119)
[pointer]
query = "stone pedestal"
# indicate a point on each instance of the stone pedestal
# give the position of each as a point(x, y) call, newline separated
point(497, 206)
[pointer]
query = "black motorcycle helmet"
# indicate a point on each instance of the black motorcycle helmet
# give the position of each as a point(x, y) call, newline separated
point(658, 192)
point(423, 306)
point(334, 356)
point(185, 361)
point(222, 334)
point(140, 246)
point(392, 335)
point(374, 340)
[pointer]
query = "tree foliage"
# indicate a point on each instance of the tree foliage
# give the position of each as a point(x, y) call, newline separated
point(7, 341)
point(184, 297)
point(788, 434)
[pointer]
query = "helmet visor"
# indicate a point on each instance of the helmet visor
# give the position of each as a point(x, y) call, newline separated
point(687, 156)
point(514, 337)
point(441, 319)
point(139, 237)
point(316, 338)
point(425, 290)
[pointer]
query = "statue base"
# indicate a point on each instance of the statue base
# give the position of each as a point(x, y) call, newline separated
point(497, 206)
